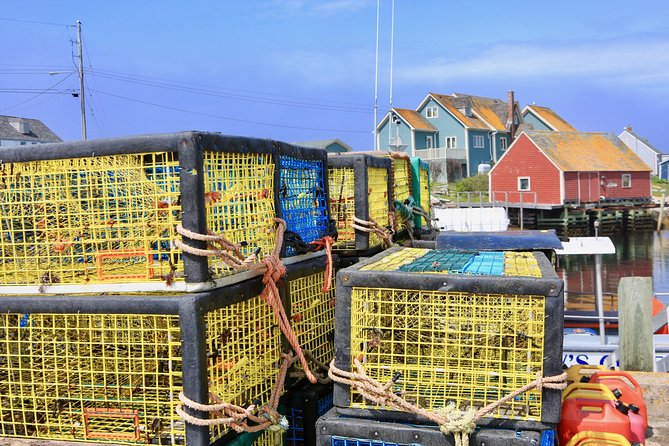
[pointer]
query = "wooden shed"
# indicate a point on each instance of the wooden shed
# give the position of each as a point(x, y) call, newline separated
point(552, 169)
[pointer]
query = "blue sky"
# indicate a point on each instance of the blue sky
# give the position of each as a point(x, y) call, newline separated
point(297, 70)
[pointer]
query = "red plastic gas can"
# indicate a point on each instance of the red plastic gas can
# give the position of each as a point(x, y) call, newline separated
point(591, 415)
point(628, 386)
point(637, 425)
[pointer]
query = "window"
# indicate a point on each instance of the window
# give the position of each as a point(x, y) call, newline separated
point(478, 142)
point(502, 144)
point(449, 142)
point(432, 112)
point(428, 142)
point(627, 180)
point(523, 183)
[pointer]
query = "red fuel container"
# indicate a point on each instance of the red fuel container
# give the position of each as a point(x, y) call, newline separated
point(591, 415)
point(637, 425)
point(628, 386)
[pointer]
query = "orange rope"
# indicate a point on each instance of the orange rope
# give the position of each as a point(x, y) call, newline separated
point(326, 243)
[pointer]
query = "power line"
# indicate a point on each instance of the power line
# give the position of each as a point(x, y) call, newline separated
point(227, 118)
point(35, 22)
point(253, 96)
point(40, 93)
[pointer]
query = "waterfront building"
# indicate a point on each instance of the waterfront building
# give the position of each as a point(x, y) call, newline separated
point(335, 145)
point(16, 131)
point(456, 132)
point(547, 169)
point(650, 154)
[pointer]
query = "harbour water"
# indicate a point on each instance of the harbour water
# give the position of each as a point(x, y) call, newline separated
point(644, 254)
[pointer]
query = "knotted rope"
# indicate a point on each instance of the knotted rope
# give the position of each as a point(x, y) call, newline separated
point(237, 417)
point(272, 269)
point(372, 226)
point(451, 420)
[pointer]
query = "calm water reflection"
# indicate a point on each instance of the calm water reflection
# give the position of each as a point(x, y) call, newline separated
point(644, 254)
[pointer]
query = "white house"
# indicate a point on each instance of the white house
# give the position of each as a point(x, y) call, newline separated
point(645, 150)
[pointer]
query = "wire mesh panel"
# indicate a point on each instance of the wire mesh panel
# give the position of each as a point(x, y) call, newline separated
point(89, 220)
point(359, 187)
point(420, 178)
point(338, 430)
point(90, 377)
point(454, 338)
point(303, 194)
point(312, 310)
point(110, 371)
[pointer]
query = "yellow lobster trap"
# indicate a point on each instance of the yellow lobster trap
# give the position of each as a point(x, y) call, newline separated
point(310, 303)
point(448, 337)
point(81, 368)
point(359, 187)
point(102, 215)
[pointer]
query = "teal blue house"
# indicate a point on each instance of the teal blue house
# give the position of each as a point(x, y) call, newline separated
point(458, 131)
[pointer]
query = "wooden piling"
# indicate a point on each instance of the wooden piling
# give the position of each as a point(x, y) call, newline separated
point(635, 324)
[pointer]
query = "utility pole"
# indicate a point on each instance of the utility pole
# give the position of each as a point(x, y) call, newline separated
point(81, 83)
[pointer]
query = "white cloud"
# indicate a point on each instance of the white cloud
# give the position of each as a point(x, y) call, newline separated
point(620, 63)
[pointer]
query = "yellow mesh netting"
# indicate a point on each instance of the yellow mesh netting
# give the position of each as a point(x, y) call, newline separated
point(342, 205)
point(313, 316)
point(90, 377)
point(112, 219)
point(378, 200)
point(244, 352)
point(88, 220)
point(425, 190)
point(469, 349)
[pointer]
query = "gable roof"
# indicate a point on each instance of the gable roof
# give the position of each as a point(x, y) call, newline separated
point(415, 119)
point(643, 140)
point(324, 144)
point(37, 131)
point(550, 118)
point(587, 152)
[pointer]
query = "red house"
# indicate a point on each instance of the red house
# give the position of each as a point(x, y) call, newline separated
point(552, 169)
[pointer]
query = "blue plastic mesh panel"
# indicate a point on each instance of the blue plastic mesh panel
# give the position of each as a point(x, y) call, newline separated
point(341, 441)
point(452, 261)
point(486, 263)
point(302, 198)
point(295, 433)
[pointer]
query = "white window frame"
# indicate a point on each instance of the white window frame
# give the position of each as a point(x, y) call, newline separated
point(503, 144)
point(429, 142)
point(529, 187)
point(481, 142)
point(450, 142)
point(628, 177)
point(432, 112)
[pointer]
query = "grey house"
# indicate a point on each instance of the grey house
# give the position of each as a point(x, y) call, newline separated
point(645, 150)
point(15, 131)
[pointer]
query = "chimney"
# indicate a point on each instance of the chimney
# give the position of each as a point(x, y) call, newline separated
point(629, 129)
point(510, 117)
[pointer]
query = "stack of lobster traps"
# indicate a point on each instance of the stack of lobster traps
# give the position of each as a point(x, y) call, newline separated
point(143, 279)
point(437, 346)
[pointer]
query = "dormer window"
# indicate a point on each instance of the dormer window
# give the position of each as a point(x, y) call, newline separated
point(466, 110)
point(432, 112)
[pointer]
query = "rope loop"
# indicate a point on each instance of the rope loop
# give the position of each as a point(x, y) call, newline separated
point(372, 226)
point(450, 420)
point(240, 419)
